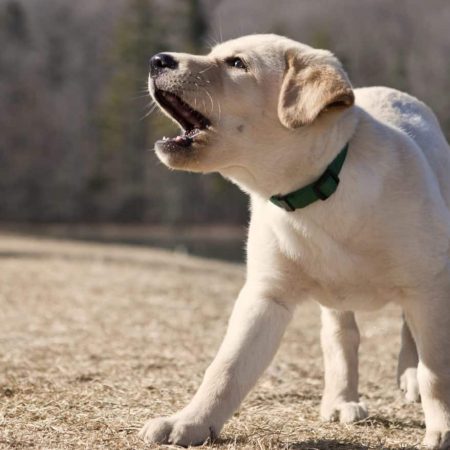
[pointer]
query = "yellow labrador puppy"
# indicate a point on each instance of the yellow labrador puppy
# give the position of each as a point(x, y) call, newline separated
point(350, 206)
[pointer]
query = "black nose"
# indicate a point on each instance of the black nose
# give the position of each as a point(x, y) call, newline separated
point(162, 61)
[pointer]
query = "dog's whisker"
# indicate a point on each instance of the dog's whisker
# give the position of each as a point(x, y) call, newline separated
point(138, 97)
point(151, 110)
point(212, 101)
point(219, 109)
point(220, 29)
point(205, 70)
point(204, 104)
point(211, 42)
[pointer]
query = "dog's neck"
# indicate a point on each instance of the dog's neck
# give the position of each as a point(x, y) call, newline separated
point(302, 158)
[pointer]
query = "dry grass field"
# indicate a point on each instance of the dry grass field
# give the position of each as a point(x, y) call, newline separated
point(95, 339)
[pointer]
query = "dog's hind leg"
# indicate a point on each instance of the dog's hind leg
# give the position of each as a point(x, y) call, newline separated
point(407, 365)
point(340, 342)
point(428, 315)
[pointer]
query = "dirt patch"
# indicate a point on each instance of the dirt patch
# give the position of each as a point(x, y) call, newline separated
point(95, 339)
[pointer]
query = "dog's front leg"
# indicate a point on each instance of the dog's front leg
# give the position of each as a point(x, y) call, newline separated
point(340, 342)
point(254, 333)
point(429, 319)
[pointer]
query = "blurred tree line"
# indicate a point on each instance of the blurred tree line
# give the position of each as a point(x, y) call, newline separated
point(75, 130)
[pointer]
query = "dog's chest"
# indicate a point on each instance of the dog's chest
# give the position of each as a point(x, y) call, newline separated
point(340, 274)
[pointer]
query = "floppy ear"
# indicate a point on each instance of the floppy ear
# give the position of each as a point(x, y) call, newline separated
point(310, 87)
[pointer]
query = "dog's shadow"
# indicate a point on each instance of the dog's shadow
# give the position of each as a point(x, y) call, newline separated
point(326, 444)
point(321, 444)
point(334, 444)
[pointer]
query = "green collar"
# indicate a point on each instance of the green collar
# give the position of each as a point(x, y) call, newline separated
point(321, 189)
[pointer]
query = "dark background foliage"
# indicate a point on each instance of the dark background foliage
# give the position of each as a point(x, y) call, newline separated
point(75, 130)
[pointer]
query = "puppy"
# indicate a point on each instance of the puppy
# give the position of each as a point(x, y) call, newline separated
point(350, 206)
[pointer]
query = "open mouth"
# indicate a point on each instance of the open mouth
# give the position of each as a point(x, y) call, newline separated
point(190, 120)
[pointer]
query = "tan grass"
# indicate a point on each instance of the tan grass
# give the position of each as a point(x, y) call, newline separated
point(95, 339)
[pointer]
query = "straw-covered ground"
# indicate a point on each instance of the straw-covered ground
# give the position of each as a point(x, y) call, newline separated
point(95, 339)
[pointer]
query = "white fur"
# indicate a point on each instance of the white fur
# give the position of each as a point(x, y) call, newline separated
point(382, 237)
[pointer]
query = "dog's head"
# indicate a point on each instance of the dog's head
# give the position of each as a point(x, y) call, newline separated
point(241, 104)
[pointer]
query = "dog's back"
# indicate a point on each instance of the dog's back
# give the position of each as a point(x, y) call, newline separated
point(413, 117)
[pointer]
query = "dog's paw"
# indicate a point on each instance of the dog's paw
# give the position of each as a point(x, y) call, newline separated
point(437, 440)
point(177, 431)
point(344, 412)
point(409, 385)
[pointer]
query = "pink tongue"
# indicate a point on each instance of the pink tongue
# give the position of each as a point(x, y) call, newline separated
point(183, 140)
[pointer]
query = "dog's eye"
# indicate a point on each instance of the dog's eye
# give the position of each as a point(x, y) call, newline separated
point(236, 62)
